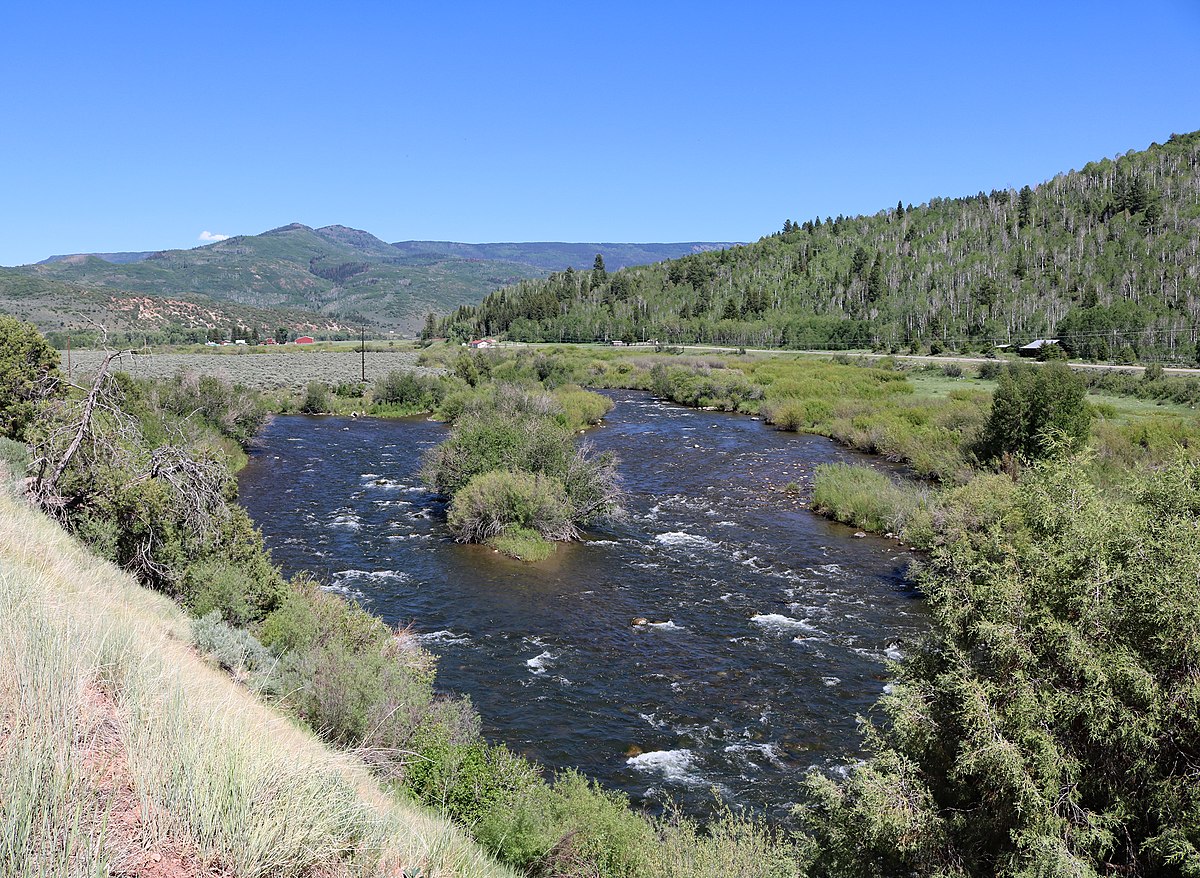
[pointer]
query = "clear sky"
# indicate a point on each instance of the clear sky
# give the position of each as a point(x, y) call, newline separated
point(131, 126)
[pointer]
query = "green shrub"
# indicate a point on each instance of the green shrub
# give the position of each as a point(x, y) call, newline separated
point(730, 844)
point(28, 372)
point(408, 390)
point(492, 503)
point(317, 399)
point(1039, 729)
point(233, 410)
point(234, 649)
point(991, 371)
point(1036, 412)
point(580, 408)
point(230, 591)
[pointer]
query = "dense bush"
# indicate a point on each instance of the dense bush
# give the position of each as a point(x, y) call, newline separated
point(514, 430)
point(495, 502)
point(239, 593)
point(1051, 724)
point(1036, 411)
point(318, 400)
point(28, 372)
point(409, 390)
point(233, 410)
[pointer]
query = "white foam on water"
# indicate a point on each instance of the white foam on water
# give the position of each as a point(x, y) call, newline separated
point(665, 626)
point(675, 766)
point(653, 720)
point(537, 664)
point(776, 620)
point(369, 475)
point(444, 636)
point(682, 538)
point(343, 576)
point(894, 652)
point(830, 681)
point(770, 752)
point(348, 520)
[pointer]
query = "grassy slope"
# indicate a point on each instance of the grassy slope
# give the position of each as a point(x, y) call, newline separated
point(122, 750)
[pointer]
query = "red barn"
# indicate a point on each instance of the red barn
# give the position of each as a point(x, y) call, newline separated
point(304, 339)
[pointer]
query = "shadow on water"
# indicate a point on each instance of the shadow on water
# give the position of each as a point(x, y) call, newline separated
point(771, 627)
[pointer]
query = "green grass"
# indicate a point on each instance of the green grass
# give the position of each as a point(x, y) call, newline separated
point(523, 544)
point(864, 497)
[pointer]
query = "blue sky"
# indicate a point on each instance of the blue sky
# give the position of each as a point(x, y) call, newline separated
point(135, 127)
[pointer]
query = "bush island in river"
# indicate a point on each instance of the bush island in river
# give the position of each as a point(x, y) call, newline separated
point(515, 477)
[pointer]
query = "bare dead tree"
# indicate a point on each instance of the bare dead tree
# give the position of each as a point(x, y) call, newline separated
point(92, 447)
point(70, 418)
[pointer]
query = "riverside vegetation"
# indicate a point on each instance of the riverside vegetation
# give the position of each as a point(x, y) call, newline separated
point(148, 487)
point(1050, 725)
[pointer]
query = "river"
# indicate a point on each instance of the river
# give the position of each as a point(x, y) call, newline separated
point(770, 626)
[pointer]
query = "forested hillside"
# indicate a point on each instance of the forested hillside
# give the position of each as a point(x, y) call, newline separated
point(1107, 258)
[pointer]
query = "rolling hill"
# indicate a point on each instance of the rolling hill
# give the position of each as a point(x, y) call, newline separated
point(335, 273)
point(1106, 258)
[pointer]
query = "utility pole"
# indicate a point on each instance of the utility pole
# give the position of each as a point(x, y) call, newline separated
point(362, 347)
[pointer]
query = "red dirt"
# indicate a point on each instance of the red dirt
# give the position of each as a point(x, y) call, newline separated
point(133, 845)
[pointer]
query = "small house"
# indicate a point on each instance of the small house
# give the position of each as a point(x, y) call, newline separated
point(1035, 347)
point(480, 343)
point(304, 339)
point(269, 341)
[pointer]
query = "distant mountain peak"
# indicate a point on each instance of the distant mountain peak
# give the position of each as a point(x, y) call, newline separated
point(290, 227)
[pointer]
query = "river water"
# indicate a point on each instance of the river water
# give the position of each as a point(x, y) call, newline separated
point(771, 627)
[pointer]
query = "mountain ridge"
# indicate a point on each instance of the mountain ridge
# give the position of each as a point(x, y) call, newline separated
point(337, 273)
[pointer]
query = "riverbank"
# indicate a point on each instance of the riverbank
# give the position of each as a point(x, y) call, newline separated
point(124, 750)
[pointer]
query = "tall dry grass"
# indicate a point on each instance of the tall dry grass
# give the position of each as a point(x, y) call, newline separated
point(213, 772)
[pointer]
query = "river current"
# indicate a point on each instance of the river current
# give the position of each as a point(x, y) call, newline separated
point(770, 627)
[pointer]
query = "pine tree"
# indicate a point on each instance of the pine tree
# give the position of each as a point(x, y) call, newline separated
point(1024, 207)
point(429, 330)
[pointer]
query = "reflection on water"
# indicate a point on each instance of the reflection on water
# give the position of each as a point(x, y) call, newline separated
point(769, 628)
